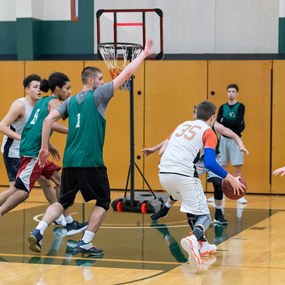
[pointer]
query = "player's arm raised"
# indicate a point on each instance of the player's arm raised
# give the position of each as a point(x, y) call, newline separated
point(129, 70)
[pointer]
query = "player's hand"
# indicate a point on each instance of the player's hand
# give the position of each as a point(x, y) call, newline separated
point(280, 170)
point(43, 157)
point(148, 50)
point(54, 152)
point(147, 151)
point(243, 149)
point(237, 185)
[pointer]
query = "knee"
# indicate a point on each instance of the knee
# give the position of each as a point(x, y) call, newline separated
point(105, 204)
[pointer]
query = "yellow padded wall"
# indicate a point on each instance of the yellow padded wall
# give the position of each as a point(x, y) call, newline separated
point(172, 89)
point(254, 81)
point(11, 80)
point(278, 127)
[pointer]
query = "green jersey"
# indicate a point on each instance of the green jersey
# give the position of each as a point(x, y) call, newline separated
point(86, 134)
point(31, 138)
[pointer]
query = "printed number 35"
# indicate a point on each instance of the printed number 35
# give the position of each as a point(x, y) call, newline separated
point(188, 132)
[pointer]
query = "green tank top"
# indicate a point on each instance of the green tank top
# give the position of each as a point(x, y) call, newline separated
point(31, 138)
point(86, 134)
point(231, 113)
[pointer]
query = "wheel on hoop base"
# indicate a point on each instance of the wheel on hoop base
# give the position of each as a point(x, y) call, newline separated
point(117, 205)
point(144, 208)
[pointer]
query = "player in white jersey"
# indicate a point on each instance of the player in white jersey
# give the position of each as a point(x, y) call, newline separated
point(178, 176)
point(12, 126)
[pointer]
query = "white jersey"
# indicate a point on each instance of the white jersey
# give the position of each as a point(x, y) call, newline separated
point(10, 146)
point(184, 145)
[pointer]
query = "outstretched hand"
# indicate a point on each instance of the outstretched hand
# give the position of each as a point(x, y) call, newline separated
point(43, 157)
point(148, 49)
point(280, 170)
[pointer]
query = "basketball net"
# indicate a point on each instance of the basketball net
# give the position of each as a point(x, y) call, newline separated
point(116, 56)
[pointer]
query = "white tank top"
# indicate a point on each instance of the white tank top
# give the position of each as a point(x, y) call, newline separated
point(184, 144)
point(10, 146)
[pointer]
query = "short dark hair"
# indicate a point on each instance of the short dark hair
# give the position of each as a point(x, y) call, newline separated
point(32, 77)
point(233, 85)
point(55, 79)
point(205, 110)
point(88, 72)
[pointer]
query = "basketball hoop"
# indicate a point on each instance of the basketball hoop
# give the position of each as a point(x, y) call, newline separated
point(113, 52)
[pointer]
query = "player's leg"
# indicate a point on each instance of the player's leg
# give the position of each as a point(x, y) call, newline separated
point(163, 212)
point(68, 193)
point(94, 185)
point(51, 172)
point(26, 178)
point(237, 161)
point(12, 166)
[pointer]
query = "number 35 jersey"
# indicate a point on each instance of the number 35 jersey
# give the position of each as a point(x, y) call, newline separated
point(187, 140)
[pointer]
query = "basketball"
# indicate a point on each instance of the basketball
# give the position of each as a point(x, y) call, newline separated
point(229, 191)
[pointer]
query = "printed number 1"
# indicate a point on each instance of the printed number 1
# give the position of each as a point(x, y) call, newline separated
point(78, 121)
point(188, 132)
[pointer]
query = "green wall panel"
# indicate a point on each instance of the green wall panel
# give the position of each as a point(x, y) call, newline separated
point(8, 38)
point(281, 40)
point(66, 37)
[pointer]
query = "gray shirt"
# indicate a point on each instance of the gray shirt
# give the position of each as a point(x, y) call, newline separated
point(102, 96)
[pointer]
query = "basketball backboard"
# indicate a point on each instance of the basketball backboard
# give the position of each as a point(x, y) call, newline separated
point(133, 26)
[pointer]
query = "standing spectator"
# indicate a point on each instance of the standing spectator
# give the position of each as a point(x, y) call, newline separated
point(231, 115)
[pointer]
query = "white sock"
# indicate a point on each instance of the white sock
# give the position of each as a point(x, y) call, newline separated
point(61, 220)
point(88, 236)
point(42, 226)
point(168, 205)
point(68, 219)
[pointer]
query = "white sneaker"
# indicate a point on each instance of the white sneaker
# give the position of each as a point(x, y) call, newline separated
point(242, 200)
point(191, 246)
point(206, 248)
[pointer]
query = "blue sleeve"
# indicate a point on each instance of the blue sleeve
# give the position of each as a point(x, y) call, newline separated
point(211, 163)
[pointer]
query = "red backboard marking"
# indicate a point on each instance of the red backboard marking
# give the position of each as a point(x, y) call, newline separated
point(129, 24)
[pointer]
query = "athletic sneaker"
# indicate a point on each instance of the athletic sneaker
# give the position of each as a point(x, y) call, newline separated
point(242, 200)
point(191, 246)
point(206, 248)
point(75, 228)
point(88, 248)
point(162, 213)
point(219, 218)
point(35, 241)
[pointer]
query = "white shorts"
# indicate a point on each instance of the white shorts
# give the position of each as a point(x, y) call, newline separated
point(188, 190)
point(230, 152)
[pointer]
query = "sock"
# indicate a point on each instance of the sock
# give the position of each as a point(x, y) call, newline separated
point(68, 219)
point(168, 205)
point(198, 232)
point(88, 236)
point(61, 220)
point(42, 226)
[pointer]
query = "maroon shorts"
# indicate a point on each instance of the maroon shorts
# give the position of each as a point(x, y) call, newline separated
point(30, 171)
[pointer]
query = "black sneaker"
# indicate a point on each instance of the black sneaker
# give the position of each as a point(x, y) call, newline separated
point(219, 218)
point(75, 228)
point(162, 213)
point(88, 248)
point(35, 241)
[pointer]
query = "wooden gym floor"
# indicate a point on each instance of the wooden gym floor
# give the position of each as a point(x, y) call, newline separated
point(251, 249)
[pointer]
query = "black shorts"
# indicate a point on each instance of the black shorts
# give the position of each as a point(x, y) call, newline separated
point(92, 182)
point(12, 165)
